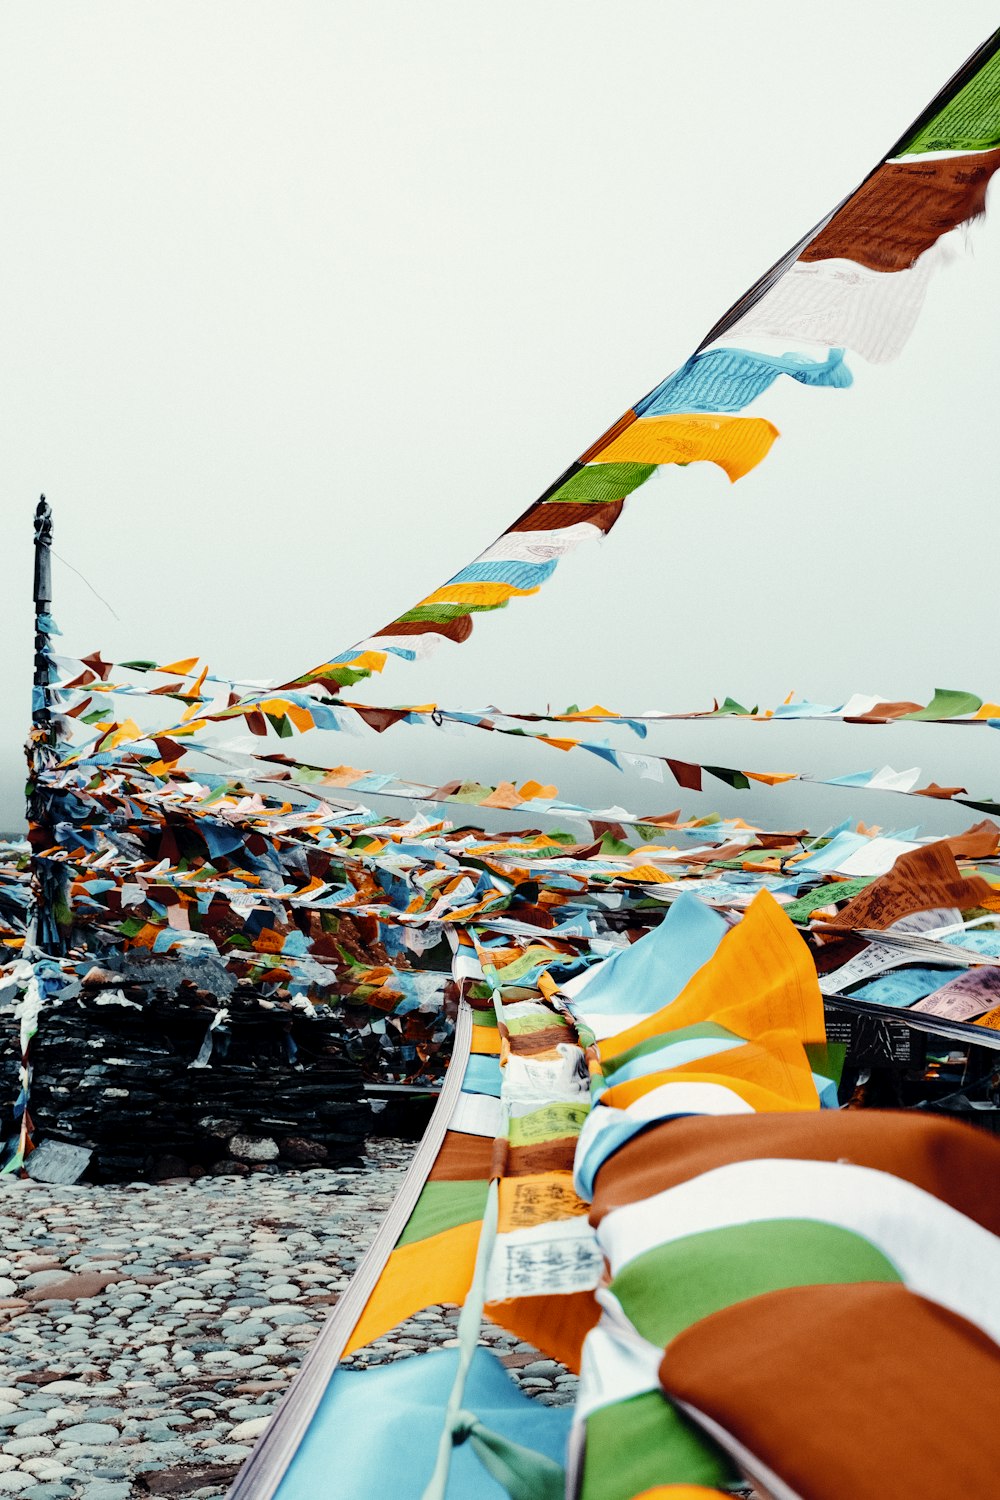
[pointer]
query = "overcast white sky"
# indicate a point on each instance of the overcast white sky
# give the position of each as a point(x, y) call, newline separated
point(302, 303)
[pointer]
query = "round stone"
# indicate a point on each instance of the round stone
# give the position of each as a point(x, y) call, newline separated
point(28, 1447)
point(247, 1432)
point(98, 1433)
point(35, 1426)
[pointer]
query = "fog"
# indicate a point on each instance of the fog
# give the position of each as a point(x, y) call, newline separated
point(304, 303)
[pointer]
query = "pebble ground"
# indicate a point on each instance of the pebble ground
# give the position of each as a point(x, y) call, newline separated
point(147, 1332)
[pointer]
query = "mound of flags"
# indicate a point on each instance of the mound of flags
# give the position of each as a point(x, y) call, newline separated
point(789, 1290)
point(652, 1183)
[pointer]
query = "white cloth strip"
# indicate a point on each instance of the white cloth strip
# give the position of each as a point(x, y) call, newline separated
point(477, 1114)
point(546, 1260)
point(940, 1253)
point(616, 1364)
point(840, 303)
point(539, 546)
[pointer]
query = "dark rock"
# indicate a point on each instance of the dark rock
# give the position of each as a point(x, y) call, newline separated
point(296, 1148)
point(222, 1130)
point(169, 1166)
point(184, 1479)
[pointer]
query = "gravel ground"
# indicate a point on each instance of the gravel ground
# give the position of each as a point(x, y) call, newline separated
point(148, 1331)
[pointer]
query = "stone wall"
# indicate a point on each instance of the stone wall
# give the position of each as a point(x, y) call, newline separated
point(164, 1083)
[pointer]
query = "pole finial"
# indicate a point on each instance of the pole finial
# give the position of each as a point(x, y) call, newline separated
point(42, 590)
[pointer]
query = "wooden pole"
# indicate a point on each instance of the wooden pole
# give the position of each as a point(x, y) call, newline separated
point(41, 716)
point(42, 744)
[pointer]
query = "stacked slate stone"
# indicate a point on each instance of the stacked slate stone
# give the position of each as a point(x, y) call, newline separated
point(167, 1069)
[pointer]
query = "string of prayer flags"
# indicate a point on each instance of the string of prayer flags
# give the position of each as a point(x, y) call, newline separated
point(947, 705)
point(855, 282)
point(114, 736)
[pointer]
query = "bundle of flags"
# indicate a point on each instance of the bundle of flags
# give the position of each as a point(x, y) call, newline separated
point(789, 1290)
point(645, 1175)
